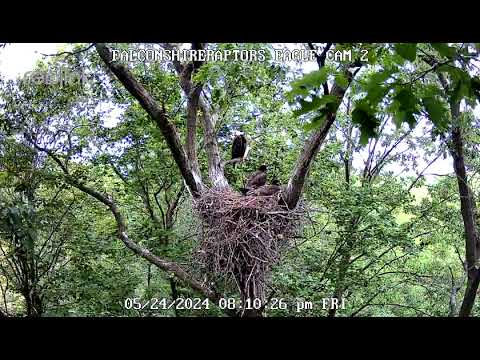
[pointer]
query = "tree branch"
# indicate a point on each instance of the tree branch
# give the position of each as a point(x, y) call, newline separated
point(321, 61)
point(192, 93)
point(70, 52)
point(123, 236)
point(310, 150)
point(158, 114)
point(215, 168)
point(467, 202)
point(192, 109)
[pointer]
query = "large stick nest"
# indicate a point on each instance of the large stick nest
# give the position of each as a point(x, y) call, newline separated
point(243, 236)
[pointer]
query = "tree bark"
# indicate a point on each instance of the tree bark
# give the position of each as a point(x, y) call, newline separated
point(215, 168)
point(192, 178)
point(467, 203)
point(146, 254)
point(310, 150)
point(295, 185)
point(192, 93)
point(33, 303)
point(123, 236)
point(191, 142)
point(173, 288)
point(468, 215)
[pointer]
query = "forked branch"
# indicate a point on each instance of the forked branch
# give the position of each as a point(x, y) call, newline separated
point(192, 178)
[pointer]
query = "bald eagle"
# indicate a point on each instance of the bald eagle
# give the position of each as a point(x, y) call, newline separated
point(239, 146)
point(256, 179)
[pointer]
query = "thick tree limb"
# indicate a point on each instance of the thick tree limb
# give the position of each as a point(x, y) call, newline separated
point(467, 202)
point(310, 150)
point(471, 235)
point(192, 178)
point(191, 141)
point(192, 93)
point(146, 254)
point(215, 168)
point(123, 236)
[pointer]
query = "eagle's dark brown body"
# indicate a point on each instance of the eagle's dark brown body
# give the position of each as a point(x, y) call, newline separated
point(256, 180)
point(239, 147)
point(265, 190)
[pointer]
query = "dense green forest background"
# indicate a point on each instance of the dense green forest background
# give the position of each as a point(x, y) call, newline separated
point(98, 212)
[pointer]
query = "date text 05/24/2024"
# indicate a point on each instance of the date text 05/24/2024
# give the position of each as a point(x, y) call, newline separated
point(230, 304)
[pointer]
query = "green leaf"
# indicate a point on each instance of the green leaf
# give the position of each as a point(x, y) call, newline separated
point(359, 115)
point(317, 102)
point(407, 100)
point(380, 77)
point(436, 111)
point(341, 81)
point(461, 90)
point(326, 99)
point(308, 82)
point(456, 73)
point(363, 116)
point(376, 94)
point(307, 106)
point(315, 123)
point(364, 137)
point(406, 106)
point(431, 90)
point(408, 51)
point(475, 83)
point(475, 90)
point(401, 117)
point(397, 59)
point(376, 88)
point(29, 239)
point(462, 83)
point(444, 49)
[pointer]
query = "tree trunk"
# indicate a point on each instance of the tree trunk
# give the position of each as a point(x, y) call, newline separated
point(468, 214)
point(467, 203)
point(149, 274)
point(33, 303)
point(185, 159)
point(312, 146)
point(173, 288)
point(215, 169)
point(157, 113)
point(470, 293)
